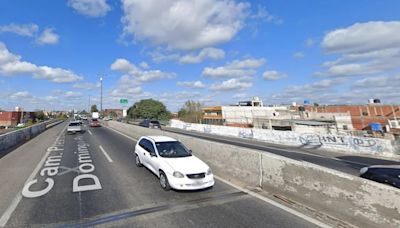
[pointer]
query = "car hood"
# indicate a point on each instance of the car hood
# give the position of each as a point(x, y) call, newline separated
point(187, 165)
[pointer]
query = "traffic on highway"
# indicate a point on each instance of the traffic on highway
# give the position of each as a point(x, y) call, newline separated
point(94, 177)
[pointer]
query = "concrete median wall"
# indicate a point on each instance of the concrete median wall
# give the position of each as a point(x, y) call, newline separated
point(17, 137)
point(341, 143)
point(358, 201)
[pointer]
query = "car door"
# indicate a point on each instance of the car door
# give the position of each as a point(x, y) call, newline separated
point(142, 152)
point(153, 159)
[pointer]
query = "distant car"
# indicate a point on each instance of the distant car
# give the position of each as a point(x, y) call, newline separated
point(21, 125)
point(387, 174)
point(74, 126)
point(94, 123)
point(107, 118)
point(84, 117)
point(173, 163)
point(150, 124)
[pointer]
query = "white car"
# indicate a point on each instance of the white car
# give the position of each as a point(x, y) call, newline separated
point(74, 126)
point(173, 163)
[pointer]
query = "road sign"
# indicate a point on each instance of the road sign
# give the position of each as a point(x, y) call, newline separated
point(123, 101)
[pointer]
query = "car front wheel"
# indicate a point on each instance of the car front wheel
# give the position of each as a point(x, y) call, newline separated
point(164, 181)
point(137, 161)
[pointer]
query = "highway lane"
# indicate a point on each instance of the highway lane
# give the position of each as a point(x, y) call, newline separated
point(347, 163)
point(129, 196)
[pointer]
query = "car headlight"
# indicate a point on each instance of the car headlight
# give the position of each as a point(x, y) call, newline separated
point(363, 170)
point(209, 172)
point(178, 174)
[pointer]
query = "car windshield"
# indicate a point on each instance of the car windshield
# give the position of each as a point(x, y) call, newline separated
point(74, 124)
point(94, 120)
point(172, 149)
point(154, 122)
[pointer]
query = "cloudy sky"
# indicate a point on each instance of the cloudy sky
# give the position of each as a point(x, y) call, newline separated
point(52, 53)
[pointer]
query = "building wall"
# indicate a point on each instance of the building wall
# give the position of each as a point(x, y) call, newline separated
point(119, 112)
point(9, 119)
point(247, 114)
point(363, 115)
point(311, 129)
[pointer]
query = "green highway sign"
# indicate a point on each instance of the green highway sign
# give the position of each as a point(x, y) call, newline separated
point(123, 101)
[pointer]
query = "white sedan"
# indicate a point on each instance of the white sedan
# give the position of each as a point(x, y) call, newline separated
point(173, 163)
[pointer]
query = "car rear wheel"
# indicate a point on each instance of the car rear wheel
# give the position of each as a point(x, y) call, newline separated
point(164, 181)
point(137, 161)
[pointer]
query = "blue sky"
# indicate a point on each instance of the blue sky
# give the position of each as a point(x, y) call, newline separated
point(218, 52)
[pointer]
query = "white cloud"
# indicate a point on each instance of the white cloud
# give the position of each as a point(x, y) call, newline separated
point(389, 82)
point(310, 42)
point(263, 14)
point(298, 55)
point(144, 65)
point(205, 53)
point(273, 75)
point(124, 66)
point(237, 68)
point(358, 38)
point(90, 8)
point(11, 64)
point(21, 95)
point(72, 94)
point(239, 96)
point(48, 36)
point(20, 29)
point(127, 87)
point(362, 51)
point(230, 85)
point(181, 24)
point(193, 84)
point(86, 85)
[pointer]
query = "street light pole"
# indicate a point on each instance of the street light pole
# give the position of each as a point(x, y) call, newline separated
point(101, 94)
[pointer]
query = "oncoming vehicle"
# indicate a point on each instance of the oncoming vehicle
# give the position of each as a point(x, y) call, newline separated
point(74, 126)
point(94, 123)
point(387, 174)
point(150, 124)
point(173, 163)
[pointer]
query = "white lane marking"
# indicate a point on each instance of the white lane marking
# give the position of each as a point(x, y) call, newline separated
point(105, 154)
point(90, 132)
point(276, 204)
point(129, 137)
point(7, 214)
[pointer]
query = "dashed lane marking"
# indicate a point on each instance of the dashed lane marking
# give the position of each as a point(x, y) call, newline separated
point(105, 154)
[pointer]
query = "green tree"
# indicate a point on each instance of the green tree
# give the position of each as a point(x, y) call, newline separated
point(40, 115)
point(113, 114)
point(191, 112)
point(149, 109)
point(94, 108)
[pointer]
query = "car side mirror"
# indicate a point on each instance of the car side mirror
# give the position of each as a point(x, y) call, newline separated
point(153, 154)
point(190, 151)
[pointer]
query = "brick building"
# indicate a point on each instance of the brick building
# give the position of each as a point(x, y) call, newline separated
point(362, 115)
point(9, 119)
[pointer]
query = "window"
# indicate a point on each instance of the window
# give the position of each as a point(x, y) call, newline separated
point(172, 149)
point(147, 145)
point(345, 127)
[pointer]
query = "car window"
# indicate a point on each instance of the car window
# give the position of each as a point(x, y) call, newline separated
point(74, 124)
point(172, 149)
point(154, 122)
point(147, 145)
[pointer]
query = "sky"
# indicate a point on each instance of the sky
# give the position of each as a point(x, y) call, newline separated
point(217, 52)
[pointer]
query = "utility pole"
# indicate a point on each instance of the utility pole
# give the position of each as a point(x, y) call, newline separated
point(101, 94)
point(88, 110)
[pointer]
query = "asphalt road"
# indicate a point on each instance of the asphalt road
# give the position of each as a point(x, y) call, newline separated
point(347, 163)
point(128, 197)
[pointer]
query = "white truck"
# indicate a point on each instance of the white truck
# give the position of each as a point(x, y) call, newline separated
point(95, 115)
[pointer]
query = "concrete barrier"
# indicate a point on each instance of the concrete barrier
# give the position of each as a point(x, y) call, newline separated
point(14, 138)
point(340, 143)
point(352, 199)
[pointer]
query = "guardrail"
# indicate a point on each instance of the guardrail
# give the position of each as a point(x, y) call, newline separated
point(11, 139)
point(349, 198)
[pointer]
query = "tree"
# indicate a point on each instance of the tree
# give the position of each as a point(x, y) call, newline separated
point(113, 114)
point(40, 115)
point(149, 109)
point(94, 108)
point(191, 112)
